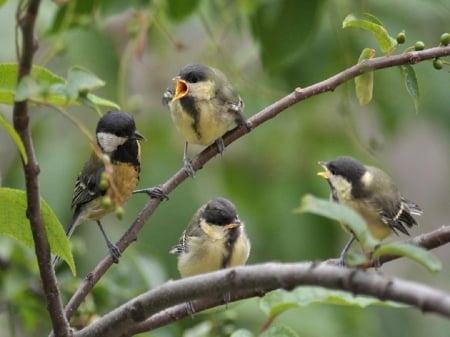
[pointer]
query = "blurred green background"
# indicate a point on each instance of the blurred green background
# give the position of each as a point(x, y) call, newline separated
point(267, 49)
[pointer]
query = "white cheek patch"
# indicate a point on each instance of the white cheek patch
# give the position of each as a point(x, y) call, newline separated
point(202, 90)
point(342, 186)
point(109, 142)
point(367, 178)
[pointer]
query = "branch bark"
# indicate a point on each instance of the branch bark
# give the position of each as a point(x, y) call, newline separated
point(26, 18)
point(266, 277)
point(254, 121)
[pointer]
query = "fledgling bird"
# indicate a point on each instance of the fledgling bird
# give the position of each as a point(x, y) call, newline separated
point(373, 194)
point(214, 239)
point(203, 106)
point(117, 138)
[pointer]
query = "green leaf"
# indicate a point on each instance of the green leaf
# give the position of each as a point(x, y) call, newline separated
point(412, 86)
point(364, 82)
point(2, 2)
point(15, 137)
point(341, 213)
point(415, 253)
point(242, 333)
point(279, 331)
point(181, 9)
point(80, 81)
point(278, 301)
point(14, 223)
point(371, 23)
point(91, 99)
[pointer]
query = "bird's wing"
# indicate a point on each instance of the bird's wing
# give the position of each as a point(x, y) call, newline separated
point(167, 96)
point(180, 247)
point(398, 216)
point(87, 186)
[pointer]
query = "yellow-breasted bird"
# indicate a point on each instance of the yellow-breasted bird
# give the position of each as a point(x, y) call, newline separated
point(203, 106)
point(214, 239)
point(117, 138)
point(373, 194)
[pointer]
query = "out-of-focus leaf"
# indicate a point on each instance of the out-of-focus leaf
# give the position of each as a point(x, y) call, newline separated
point(372, 24)
point(181, 9)
point(15, 137)
point(364, 82)
point(278, 301)
point(279, 331)
point(80, 81)
point(242, 333)
point(14, 223)
point(283, 29)
point(98, 101)
point(412, 86)
point(415, 253)
point(2, 2)
point(341, 213)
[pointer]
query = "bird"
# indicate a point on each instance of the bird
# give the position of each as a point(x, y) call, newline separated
point(203, 106)
point(373, 194)
point(118, 142)
point(214, 239)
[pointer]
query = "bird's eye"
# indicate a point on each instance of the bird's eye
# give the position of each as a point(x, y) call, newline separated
point(193, 78)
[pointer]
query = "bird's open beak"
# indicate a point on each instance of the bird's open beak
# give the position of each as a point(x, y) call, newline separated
point(182, 88)
point(323, 174)
point(232, 225)
point(139, 136)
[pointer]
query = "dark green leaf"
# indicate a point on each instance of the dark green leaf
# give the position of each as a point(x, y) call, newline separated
point(415, 253)
point(364, 82)
point(412, 86)
point(80, 81)
point(15, 137)
point(181, 9)
point(14, 223)
point(373, 25)
point(279, 331)
point(340, 213)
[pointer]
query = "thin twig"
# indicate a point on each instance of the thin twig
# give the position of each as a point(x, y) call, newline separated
point(254, 121)
point(26, 17)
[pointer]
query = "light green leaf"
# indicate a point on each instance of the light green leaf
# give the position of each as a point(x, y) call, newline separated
point(98, 101)
point(242, 333)
point(371, 23)
point(279, 331)
point(278, 301)
point(415, 253)
point(80, 81)
point(412, 86)
point(14, 223)
point(364, 82)
point(341, 213)
point(15, 137)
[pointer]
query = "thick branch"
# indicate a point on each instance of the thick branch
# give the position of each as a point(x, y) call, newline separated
point(267, 277)
point(26, 21)
point(254, 121)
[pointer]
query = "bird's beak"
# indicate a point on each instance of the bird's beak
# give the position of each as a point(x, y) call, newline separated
point(323, 174)
point(182, 88)
point(139, 136)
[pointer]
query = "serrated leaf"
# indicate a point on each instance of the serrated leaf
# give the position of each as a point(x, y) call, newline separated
point(340, 213)
point(15, 137)
point(278, 301)
point(242, 333)
point(412, 86)
point(80, 81)
point(279, 331)
point(375, 26)
point(364, 82)
point(14, 223)
point(415, 253)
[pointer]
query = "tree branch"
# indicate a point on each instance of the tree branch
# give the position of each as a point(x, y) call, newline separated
point(254, 121)
point(26, 18)
point(267, 277)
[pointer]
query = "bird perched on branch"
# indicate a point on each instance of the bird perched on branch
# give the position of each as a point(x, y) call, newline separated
point(203, 106)
point(373, 194)
point(214, 239)
point(109, 177)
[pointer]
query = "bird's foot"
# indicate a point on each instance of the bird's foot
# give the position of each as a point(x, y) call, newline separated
point(154, 193)
point(114, 251)
point(190, 309)
point(220, 145)
point(188, 168)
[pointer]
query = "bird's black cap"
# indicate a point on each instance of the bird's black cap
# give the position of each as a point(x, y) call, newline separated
point(193, 73)
point(118, 123)
point(347, 167)
point(220, 211)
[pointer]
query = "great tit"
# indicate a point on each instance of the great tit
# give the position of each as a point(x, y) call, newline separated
point(214, 239)
point(203, 106)
point(117, 138)
point(373, 194)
